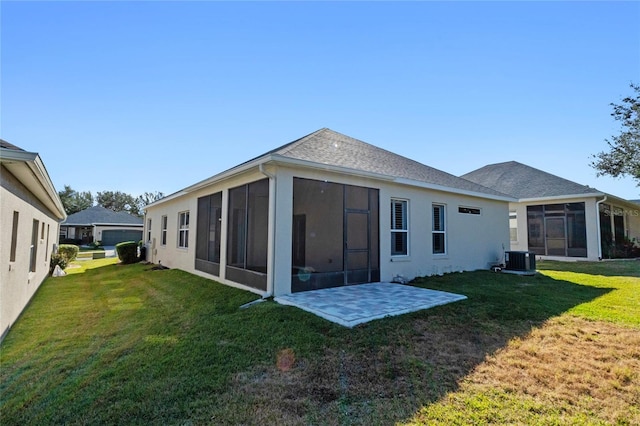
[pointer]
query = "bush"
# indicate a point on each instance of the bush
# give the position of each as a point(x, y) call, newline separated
point(68, 251)
point(95, 244)
point(127, 251)
point(143, 253)
point(58, 259)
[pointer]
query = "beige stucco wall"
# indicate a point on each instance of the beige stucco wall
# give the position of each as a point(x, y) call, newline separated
point(630, 211)
point(17, 284)
point(473, 241)
point(632, 220)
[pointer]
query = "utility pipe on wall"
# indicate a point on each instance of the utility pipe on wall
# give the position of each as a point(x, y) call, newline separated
point(599, 233)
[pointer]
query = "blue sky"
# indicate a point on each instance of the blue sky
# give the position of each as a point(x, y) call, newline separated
point(155, 96)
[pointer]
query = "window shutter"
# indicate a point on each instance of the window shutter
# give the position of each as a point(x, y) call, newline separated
point(438, 220)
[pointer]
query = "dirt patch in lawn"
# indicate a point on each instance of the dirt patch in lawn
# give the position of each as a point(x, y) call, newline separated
point(577, 367)
point(581, 366)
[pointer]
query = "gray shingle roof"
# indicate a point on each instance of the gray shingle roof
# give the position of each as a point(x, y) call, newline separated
point(6, 145)
point(328, 147)
point(522, 181)
point(97, 215)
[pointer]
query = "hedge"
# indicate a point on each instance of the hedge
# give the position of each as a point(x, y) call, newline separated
point(68, 251)
point(127, 251)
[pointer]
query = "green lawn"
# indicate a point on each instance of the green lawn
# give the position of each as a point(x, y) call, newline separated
point(110, 343)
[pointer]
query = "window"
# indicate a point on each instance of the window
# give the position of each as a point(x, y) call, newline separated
point(148, 230)
point(14, 237)
point(439, 229)
point(33, 255)
point(183, 229)
point(46, 247)
point(513, 225)
point(399, 228)
point(42, 232)
point(469, 210)
point(163, 230)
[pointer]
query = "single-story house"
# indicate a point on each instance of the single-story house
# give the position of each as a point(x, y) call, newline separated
point(30, 212)
point(558, 219)
point(327, 210)
point(97, 223)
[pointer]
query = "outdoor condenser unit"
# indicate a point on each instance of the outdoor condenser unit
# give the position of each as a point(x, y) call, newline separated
point(521, 261)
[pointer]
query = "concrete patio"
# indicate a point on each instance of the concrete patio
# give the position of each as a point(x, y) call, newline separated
point(357, 304)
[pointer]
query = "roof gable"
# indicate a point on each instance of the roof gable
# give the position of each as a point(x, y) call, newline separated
point(99, 215)
point(522, 181)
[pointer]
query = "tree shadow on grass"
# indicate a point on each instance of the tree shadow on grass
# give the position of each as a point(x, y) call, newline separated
point(385, 371)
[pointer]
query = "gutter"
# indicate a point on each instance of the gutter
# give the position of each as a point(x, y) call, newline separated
point(272, 226)
point(599, 232)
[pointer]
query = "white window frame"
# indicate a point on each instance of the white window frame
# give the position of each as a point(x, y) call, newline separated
point(149, 230)
point(443, 231)
point(163, 230)
point(405, 230)
point(183, 229)
point(513, 226)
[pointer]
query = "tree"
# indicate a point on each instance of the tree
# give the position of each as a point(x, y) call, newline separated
point(118, 202)
point(623, 157)
point(74, 201)
point(148, 198)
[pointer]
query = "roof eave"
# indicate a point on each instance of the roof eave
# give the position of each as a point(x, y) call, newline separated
point(560, 197)
point(211, 180)
point(45, 191)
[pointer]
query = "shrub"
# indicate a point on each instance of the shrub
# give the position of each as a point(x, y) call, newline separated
point(69, 251)
point(127, 251)
point(58, 259)
point(95, 244)
point(143, 253)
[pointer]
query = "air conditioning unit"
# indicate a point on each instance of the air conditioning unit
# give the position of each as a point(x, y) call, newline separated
point(522, 262)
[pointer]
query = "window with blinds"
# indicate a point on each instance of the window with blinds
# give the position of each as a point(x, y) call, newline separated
point(439, 229)
point(399, 228)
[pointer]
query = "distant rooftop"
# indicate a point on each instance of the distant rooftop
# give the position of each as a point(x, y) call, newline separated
point(97, 215)
point(522, 181)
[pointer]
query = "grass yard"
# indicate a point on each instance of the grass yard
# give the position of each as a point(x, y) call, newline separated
point(110, 343)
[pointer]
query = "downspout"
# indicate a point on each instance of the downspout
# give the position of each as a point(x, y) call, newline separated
point(272, 225)
point(599, 233)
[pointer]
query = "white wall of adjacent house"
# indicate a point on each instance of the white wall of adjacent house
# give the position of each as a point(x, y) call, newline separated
point(521, 233)
point(632, 221)
point(27, 237)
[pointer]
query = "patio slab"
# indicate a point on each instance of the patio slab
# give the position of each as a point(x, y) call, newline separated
point(357, 304)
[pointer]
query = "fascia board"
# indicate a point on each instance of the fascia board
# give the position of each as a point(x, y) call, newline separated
point(47, 184)
point(614, 199)
point(561, 197)
point(211, 180)
point(15, 155)
point(128, 225)
point(46, 192)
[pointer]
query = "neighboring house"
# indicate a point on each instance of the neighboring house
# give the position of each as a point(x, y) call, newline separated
point(101, 224)
point(30, 212)
point(327, 210)
point(557, 218)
